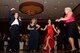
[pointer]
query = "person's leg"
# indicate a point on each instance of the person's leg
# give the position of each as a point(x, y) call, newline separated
point(49, 46)
point(47, 43)
point(15, 38)
point(11, 42)
point(71, 41)
point(16, 43)
point(30, 43)
point(79, 42)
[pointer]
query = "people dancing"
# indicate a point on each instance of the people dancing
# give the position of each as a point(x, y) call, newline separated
point(34, 35)
point(49, 40)
point(72, 30)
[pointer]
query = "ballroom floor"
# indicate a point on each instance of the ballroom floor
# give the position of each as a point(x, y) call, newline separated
point(21, 51)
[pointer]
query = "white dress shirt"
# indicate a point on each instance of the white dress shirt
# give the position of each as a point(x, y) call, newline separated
point(15, 22)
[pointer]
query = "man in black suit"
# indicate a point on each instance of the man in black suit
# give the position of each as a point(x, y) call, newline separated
point(15, 23)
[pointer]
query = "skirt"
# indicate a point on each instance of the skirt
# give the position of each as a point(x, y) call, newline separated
point(72, 29)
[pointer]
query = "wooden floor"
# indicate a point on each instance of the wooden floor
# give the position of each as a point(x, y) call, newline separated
point(41, 52)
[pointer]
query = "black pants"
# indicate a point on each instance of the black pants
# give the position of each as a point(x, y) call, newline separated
point(14, 38)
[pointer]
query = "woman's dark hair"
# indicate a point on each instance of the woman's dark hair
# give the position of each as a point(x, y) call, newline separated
point(51, 21)
point(13, 13)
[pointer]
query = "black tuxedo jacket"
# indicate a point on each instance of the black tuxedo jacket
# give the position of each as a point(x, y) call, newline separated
point(11, 18)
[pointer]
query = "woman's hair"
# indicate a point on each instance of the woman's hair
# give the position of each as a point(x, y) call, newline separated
point(51, 21)
point(34, 20)
point(68, 8)
point(13, 12)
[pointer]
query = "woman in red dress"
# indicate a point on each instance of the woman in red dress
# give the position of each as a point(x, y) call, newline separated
point(49, 41)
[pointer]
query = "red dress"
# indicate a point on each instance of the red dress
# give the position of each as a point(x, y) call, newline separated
point(49, 33)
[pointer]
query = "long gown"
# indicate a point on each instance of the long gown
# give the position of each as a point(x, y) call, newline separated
point(49, 33)
point(34, 39)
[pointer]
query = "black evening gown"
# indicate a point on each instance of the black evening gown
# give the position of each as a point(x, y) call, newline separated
point(34, 39)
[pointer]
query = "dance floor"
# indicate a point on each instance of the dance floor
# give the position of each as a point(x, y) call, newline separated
point(41, 52)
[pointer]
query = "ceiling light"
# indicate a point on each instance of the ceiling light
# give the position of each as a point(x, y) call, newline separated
point(31, 8)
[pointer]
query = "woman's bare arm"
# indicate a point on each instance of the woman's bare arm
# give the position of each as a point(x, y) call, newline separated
point(38, 26)
point(54, 28)
point(67, 18)
point(30, 28)
point(44, 28)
